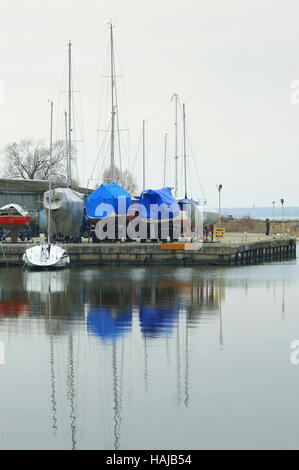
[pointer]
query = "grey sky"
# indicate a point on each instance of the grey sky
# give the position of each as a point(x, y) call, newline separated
point(231, 62)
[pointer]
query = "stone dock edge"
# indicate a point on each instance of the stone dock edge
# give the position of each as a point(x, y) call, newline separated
point(149, 254)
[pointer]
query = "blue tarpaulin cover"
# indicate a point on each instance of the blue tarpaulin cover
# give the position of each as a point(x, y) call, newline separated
point(107, 194)
point(187, 201)
point(160, 197)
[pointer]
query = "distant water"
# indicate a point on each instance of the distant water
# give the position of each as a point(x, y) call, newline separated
point(150, 358)
point(262, 212)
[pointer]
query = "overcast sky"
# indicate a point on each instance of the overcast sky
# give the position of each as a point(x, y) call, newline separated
point(232, 62)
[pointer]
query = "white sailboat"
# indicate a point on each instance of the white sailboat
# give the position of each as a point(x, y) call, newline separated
point(47, 255)
point(67, 205)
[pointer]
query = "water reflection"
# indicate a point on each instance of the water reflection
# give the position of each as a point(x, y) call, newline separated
point(107, 330)
point(13, 301)
point(109, 309)
point(156, 320)
point(71, 391)
point(108, 324)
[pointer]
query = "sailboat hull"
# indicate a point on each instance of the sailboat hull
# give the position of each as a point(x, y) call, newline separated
point(210, 216)
point(46, 256)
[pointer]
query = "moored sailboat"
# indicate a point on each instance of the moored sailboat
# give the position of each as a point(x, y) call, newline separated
point(67, 205)
point(47, 255)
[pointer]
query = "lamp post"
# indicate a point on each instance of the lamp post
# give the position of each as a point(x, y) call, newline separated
point(219, 216)
point(282, 214)
point(273, 211)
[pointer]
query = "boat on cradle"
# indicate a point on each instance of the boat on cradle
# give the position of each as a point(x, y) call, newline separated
point(108, 202)
point(210, 216)
point(66, 207)
point(189, 206)
point(159, 210)
point(14, 218)
point(47, 255)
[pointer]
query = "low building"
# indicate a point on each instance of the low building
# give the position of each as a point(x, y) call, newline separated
point(29, 194)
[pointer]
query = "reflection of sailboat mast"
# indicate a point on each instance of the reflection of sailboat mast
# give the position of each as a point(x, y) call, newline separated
point(71, 391)
point(53, 388)
point(116, 399)
point(220, 315)
point(52, 370)
point(178, 364)
point(187, 364)
point(145, 373)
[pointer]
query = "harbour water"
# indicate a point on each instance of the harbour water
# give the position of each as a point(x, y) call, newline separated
point(150, 358)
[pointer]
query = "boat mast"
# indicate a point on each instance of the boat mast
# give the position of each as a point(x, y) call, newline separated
point(165, 151)
point(143, 155)
point(175, 96)
point(50, 176)
point(184, 136)
point(66, 146)
point(113, 112)
point(69, 166)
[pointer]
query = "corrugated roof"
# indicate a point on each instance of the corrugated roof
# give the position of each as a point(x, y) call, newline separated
point(35, 186)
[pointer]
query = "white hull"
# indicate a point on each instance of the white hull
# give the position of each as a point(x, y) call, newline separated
point(46, 256)
point(210, 216)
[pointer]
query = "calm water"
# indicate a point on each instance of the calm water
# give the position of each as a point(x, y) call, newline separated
point(162, 358)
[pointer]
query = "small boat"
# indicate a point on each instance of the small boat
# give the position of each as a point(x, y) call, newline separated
point(14, 218)
point(66, 207)
point(47, 255)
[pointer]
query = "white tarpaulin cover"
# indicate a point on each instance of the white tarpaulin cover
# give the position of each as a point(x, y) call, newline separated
point(66, 211)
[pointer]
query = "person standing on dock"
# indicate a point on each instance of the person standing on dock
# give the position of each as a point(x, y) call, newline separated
point(267, 221)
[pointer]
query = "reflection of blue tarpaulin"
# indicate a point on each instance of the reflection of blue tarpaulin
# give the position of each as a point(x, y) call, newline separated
point(157, 321)
point(159, 197)
point(108, 325)
point(107, 194)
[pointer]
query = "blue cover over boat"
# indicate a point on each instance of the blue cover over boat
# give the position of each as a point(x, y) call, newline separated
point(108, 325)
point(159, 197)
point(187, 201)
point(110, 194)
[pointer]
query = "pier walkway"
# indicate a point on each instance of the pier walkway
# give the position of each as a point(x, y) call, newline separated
point(236, 249)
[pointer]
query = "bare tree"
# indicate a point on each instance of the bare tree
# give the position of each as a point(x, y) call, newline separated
point(30, 159)
point(125, 179)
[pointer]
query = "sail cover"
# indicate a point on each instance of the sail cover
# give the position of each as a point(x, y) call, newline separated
point(106, 200)
point(67, 208)
point(158, 201)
